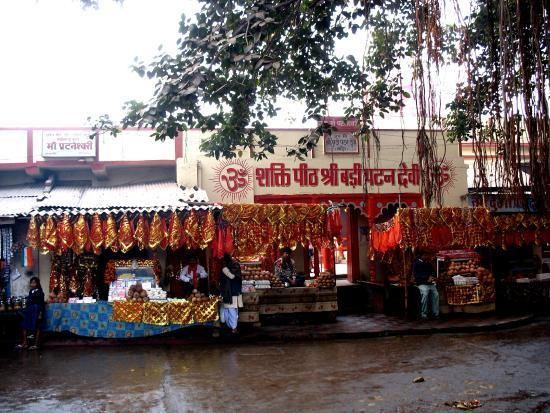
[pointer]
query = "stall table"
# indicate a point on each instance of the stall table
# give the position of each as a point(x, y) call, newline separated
point(10, 322)
point(518, 297)
point(96, 320)
point(272, 301)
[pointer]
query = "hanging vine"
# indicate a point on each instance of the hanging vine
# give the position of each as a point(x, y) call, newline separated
point(502, 108)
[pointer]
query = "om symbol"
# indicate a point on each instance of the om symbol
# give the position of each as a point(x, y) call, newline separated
point(234, 178)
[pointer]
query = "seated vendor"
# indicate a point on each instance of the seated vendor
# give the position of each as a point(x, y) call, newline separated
point(424, 275)
point(194, 277)
point(285, 269)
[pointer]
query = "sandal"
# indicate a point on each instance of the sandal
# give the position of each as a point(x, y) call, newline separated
point(31, 348)
point(21, 347)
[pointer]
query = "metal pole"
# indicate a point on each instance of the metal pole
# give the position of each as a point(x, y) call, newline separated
point(406, 293)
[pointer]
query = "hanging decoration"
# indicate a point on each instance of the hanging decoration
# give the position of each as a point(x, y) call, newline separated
point(125, 234)
point(33, 233)
point(223, 241)
point(65, 233)
point(110, 234)
point(157, 235)
point(447, 228)
point(74, 275)
point(96, 234)
point(141, 234)
point(191, 230)
point(26, 257)
point(257, 227)
point(175, 239)
point(48, 235)
point(81, 233)
point(208, 229)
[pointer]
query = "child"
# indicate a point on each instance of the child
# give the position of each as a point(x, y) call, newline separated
point(33, 314)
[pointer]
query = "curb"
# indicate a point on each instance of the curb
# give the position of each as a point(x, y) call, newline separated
point(475, 328)
point(259, 336)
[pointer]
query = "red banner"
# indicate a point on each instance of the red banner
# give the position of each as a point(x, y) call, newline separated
point(278, 175)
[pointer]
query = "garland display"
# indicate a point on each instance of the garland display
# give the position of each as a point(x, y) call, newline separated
point(256, 227)
point(74, 274)
point(167, 312)
point(458, 227)
point(85, 233)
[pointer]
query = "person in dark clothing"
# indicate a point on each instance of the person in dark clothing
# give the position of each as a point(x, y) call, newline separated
point(424, 275)
point(231, 291)
point(33, 314)
point(285, 270)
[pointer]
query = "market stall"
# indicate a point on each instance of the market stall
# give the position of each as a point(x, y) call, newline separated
point(108, 263)
point(258, 232)
point(465, 278)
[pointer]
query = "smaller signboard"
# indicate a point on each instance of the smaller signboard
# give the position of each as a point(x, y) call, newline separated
point(68, 144)
point(342, 138)
point(341, 142)
point(501, 203)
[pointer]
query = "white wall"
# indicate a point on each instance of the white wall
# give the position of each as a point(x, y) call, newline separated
point(134, 145)
point(390, 156)
point(13, 146)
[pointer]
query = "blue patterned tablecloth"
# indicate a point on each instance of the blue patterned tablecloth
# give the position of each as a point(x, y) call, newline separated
point(95, 320)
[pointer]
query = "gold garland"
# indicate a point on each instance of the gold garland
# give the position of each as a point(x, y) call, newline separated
point(162, 313)
point(258, 226)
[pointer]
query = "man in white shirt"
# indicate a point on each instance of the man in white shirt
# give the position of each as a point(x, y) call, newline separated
point(194, 277)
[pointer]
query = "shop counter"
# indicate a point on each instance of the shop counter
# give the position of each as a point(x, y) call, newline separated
point(96, 320)
point(272, 301)
point(532, 296)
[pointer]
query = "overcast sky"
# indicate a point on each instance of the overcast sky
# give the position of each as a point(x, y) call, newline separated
point(61, 64)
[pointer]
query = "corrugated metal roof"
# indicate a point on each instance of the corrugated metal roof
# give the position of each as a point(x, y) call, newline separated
point(18, 200)
point(160, 196)
point(24, 200)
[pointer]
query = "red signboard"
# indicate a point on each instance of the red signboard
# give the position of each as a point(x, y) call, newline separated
point(278, 175)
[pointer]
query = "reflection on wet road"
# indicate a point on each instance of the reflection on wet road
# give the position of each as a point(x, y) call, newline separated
point(507, 371)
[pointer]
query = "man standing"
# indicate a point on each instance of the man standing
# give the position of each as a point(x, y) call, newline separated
point(231, 284)
point(194, 277)
point(424, 275)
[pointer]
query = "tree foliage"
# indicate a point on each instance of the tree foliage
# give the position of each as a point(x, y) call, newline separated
point(235, 58)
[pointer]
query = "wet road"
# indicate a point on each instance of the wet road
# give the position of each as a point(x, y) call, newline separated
point(507, 371)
